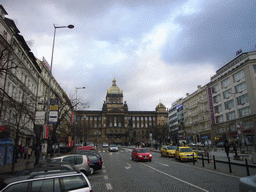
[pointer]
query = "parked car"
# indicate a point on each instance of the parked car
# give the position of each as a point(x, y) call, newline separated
point(113, 147)
point(185, 154)
point(84, 148)
point(141, 154)
point(247, 184)
point(81, 162)
point(168, 151)
point(105, 145)
point(86, 152)
point(48, 181)
point(95, 162)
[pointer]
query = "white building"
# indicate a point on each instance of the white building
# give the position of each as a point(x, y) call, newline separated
point(233, 95)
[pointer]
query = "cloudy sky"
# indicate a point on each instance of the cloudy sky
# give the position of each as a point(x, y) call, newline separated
point(157, 50)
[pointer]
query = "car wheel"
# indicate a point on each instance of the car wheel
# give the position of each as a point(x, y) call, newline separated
point(168, 155)
point(132, 158)
point(162, 154)
point(91, 170)
point(137, 159)
point(179, 158)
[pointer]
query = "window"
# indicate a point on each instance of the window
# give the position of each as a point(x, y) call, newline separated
point(240, 87)
point(227, 94)
point(238, 76)
point(215, 89)
point(42, 185)
point(254, 67)
point(70, 160)
point(110, 124)
point(244, 112)
point(225, 83)
point(74, 182)
point(219, 119)
point(125, 125)
point(231, 115)
point(216, 98)
point(18, 187)
point(218, 108)
point(119, 124)
point(232, 127)
point(248, 124)
point(141, 118)
point(242, 99)
point(138, 118)
point(229, 104)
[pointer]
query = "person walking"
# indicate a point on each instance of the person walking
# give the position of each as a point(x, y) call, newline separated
point(25, 151)
point(234, 145)
point(21, 151)
point(29, 152)
point(226, 146)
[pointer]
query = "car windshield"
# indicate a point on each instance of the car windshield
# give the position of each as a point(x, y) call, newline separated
point(185, 150)
point(112, 145)
point(142, 151)
point(171, 147)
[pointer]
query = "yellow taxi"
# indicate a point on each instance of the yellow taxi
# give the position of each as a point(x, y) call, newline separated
point(185, 154)
point(168, 151)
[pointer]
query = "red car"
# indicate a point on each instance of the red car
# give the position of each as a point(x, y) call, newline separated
point(141, 154)
point(88, 147)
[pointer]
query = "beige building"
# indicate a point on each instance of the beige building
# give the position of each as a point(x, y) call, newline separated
point(197, 126)
point(116, 124)
point(233, 100)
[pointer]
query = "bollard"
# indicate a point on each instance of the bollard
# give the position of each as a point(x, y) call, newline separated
point(230, 170)
point(203, 160)
point(208, 157)
point(214, 162)
point(247, 168)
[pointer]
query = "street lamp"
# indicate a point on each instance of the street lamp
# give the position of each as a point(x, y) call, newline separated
point(50, 78)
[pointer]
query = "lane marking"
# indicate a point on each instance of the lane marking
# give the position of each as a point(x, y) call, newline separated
point(129, 166)
point(105, 177)
point(164, 165)
point(104, 171)
point(208, 170)
point(175, 178)
point(109, 187)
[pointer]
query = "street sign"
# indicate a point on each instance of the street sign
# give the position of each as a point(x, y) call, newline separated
point(53, 117)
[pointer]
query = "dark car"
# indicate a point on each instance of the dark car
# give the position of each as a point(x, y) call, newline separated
point(94, 161)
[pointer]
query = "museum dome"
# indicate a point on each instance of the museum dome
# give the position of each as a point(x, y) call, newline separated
point(114, 89)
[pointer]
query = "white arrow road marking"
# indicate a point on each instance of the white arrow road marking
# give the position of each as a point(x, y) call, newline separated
point(109, 187)
point(129, 166)
point(164, 164)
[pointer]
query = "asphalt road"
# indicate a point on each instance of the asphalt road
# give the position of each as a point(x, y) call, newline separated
point(120, 173)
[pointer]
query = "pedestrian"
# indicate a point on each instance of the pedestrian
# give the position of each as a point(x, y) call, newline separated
point(226, 146)
point(29, 152)
point(25, 151)
point(234, 145)
point(21, 151)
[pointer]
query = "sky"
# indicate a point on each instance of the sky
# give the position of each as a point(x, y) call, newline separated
point(157, 50)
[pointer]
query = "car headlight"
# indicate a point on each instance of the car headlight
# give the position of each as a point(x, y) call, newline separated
point(150, 155)
point(139, 155)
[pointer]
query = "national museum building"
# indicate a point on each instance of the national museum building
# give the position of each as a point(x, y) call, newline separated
point(116, 124)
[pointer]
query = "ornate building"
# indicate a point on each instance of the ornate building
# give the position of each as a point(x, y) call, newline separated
point(116, 124)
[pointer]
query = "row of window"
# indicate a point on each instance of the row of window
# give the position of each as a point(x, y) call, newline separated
point(225, 83)
point(233, 127)
point(232, 115)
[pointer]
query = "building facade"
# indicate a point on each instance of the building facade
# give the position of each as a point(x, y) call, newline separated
point(233, 95)
point(116, 124)
point(197, 124)
point(176, 121)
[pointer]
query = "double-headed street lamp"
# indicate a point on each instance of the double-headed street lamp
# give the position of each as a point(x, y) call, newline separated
point(50, 78)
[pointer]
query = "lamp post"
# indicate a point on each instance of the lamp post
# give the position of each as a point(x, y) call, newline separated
point(50, 78)
point(77, 108)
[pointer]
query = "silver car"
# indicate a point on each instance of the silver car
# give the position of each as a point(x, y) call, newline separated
point(48, 181)
point(113, 147)
point(80, 161)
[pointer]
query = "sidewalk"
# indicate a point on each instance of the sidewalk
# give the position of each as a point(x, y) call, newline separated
point(5, 170)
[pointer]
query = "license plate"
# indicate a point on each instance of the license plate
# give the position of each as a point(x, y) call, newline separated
point(145, 157)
